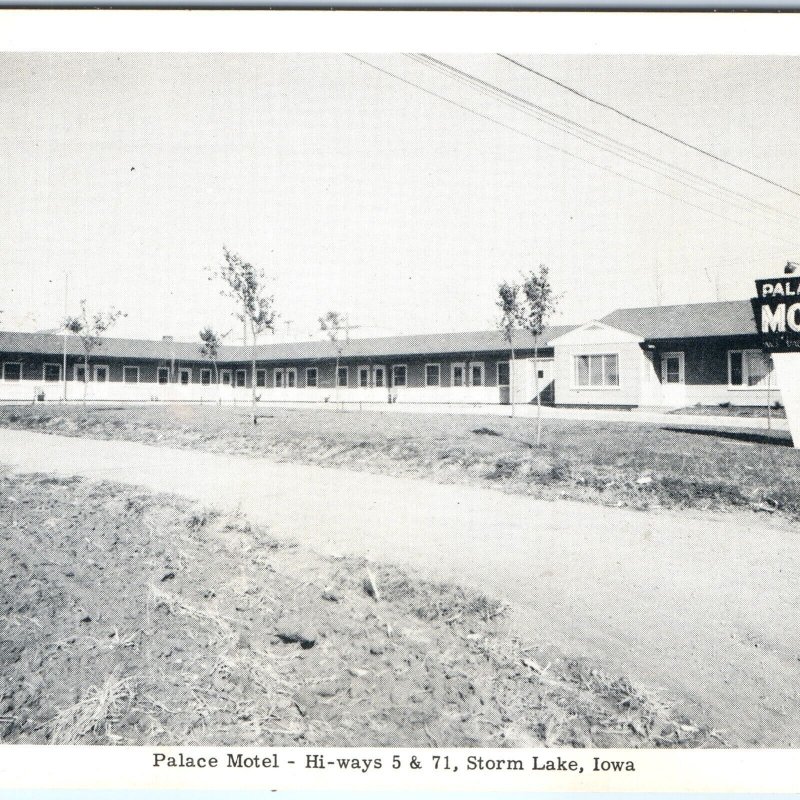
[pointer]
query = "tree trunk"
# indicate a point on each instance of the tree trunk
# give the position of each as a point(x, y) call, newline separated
point(85, 375)
point(253, 377)
point(511, 380)
point(336, 383)
point(536, 389)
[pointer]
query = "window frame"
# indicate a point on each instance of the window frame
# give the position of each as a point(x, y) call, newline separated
point(16, 364)
point(75, 368)
point(181, 372)
point(438, 375)
point(276, 373)
point(263, 375)
point(159, 370)
point(315, 370)
point(287, 372)
point(595, 387)
point(453, 368)
point(403, 385)
point(744, 385)
point(138, 373)
point(203, 372)
point(346, 384)
point(243, 384)
point(44, 372)
point(223, 373)
point(364, 368)
point(382, 369)
point(96, 367)
point(481, 366)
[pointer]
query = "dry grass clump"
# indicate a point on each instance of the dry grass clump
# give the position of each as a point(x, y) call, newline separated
point(94, 716)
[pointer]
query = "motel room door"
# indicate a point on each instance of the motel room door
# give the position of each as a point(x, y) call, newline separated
point(673, 380)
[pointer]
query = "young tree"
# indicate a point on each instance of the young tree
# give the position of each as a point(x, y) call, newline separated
point(211, 342)
point(508, 301)
point(539, 302)
point(245, 285)
point(332, 323)
point(90, 328)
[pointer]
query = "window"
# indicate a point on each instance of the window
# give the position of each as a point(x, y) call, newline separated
point(225, 377)
point(363, 377)
point(163, 375)
point(241, 377)
point(278, 379)
point(51, 372)
point(130, 374)
point(101, 373)
point(399, 375)
point(261, 377)
point(311, 377)
point(476, 374)
point(291, 378)
point(378, 377)
point(341, 376)
point(457, 374)
point(205, 377)
point(597, 370)
point(503, 374)
point(12, 371)
point(80, 373)
point(184, 376)
point(748, 367)
point(432, 375)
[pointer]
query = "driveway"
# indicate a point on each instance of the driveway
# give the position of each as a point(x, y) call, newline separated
point(701, 606)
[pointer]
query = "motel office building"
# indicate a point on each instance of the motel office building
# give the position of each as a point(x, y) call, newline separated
point(666, 356)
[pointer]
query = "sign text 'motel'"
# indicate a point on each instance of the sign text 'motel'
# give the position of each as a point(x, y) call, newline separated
point(777, 313)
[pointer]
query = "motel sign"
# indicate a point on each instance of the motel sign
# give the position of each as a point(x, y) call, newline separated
point(777, 314)
point(776, 311)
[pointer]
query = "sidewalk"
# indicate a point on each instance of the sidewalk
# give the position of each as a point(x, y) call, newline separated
point(699, 605)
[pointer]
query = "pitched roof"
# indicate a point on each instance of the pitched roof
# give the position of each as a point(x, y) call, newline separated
point(734, 318)
point(434, 343)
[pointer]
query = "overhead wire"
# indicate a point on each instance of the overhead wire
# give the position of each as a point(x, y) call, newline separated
point(559, 149)
point(596, 138)
point(647, 125)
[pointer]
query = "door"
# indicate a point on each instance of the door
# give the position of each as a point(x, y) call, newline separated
point(379, 377)
point(673, 379)
point(504, 382)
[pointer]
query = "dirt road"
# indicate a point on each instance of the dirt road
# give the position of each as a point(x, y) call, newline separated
point(702, 606)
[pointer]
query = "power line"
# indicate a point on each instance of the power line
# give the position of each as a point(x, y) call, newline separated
point(650, 127)
point(556, 147)
point(523, 105)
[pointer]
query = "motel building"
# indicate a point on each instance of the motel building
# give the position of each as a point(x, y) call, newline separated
point(658, 357)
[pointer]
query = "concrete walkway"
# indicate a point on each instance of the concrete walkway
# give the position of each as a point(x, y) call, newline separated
point(703, 606)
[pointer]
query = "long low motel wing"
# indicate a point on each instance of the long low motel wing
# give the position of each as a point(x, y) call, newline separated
point(665, 356)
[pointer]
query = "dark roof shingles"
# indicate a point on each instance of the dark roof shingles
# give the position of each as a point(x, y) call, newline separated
point(734, 318)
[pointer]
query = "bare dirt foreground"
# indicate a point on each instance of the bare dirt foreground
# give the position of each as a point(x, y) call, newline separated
point(133, 618)
point(699, 605)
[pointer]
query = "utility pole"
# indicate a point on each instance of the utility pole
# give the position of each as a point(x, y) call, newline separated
point(64, 362)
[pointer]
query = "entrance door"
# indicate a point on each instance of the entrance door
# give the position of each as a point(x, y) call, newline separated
point(673, 379)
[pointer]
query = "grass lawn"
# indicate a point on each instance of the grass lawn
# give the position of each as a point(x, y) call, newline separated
point(623, 464)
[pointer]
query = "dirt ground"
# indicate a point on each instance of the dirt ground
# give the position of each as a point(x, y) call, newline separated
point(698, 604)
point(622, 464)
point(135, 618)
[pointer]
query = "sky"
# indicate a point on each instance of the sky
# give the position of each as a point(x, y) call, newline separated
point(362, 193)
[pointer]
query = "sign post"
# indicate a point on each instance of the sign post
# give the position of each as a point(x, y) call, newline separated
point(776, 309)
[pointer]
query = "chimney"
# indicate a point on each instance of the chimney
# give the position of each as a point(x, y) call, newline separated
point(168, 338)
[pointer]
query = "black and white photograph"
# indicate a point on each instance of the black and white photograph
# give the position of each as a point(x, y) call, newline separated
point(427, 399)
